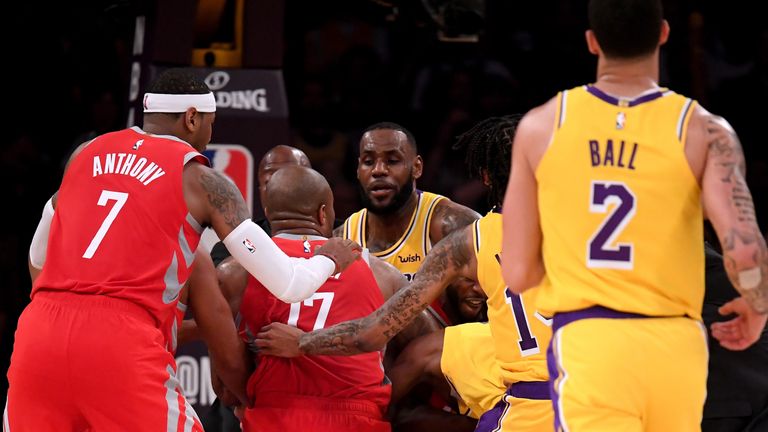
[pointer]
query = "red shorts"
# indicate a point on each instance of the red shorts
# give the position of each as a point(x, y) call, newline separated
point(279, 412)
point(88, 362)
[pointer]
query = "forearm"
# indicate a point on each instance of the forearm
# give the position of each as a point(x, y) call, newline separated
point(188, 332)
point(746, 262)
point(233, 368)
point(289, 279)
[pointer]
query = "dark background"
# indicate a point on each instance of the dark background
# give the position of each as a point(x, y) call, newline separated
point(348, 64)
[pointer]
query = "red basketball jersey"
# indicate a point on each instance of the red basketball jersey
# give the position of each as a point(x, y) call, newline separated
point(349, 295)
point(121, 226)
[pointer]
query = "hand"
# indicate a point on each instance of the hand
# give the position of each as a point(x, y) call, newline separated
point(342, 251)
point(279, 340)
point(744, 330)
point(226, 397)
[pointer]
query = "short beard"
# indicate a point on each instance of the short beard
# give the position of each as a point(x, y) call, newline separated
point(398, 201)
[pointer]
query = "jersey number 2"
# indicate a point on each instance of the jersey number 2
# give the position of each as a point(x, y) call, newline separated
point(602, 249)
point(120, 198)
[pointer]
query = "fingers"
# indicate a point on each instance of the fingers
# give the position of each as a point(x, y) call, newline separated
point(726, 309)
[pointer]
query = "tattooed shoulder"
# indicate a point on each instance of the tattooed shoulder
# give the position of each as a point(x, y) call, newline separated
point(224, 197)
point(449, 217)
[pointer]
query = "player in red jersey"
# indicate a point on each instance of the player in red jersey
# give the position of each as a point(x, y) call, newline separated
point(89, 352)
point(317, 393)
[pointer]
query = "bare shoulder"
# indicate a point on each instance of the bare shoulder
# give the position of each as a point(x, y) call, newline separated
point(710, 137)
point(448, 217)
point(389, 279)
point(534, 132)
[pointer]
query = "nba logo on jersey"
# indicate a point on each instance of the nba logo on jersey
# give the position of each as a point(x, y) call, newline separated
point(236, 163)
point(306, 246)
point(620, 119)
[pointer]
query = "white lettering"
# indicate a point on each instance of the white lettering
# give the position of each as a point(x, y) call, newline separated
point(195, 379)
point(96, 166)
point(157, 174)
point(109, 163)
point(128, 163)
point(139, 165)
point(147, 172)
point(255, 100)
point(144, 171)
point(120, 157)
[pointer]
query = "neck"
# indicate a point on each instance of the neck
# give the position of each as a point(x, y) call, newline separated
point(385, 229)
point(296, 225)
point(628, 77)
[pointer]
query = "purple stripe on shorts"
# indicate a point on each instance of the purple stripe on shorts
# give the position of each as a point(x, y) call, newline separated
point(563, 318)
point(553, 375)
point(491, 419)
point(538, 390)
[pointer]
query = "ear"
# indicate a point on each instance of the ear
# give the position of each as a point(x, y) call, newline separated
point(664, 35)
point(321, 216)
point(418, 167)
point(266, 213)
point(592, 44)
point(191, 119)
point(486, 177)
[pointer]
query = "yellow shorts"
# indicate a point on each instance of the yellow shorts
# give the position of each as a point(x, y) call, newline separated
point(469, 364)
point(618, 373)
point(520, 414)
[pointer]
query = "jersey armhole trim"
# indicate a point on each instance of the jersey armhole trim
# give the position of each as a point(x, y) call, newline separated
point(425, 237)
point(685, 117)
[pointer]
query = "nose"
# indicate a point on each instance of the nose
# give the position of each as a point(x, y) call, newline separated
point(379, 169)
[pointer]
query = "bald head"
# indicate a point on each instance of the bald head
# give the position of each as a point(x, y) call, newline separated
point(298, 193)
point(278, 157)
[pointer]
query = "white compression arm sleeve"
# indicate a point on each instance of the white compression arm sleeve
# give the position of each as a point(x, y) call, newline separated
point(289, 279)
point(40, 240)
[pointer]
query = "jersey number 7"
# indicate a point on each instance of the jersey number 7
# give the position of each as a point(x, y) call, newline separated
point(120, 198)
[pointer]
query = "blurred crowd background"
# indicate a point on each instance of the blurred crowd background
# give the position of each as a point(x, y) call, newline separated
point(348, 64)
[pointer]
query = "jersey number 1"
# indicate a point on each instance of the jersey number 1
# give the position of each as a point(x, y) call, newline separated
point(120, 198)
point(527, 342)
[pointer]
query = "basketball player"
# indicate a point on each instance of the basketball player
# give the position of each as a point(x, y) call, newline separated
point(399, 223)
point(277, 157)
point(516, 333)
point(317, 393)
point(129, 213)
point(600, 174)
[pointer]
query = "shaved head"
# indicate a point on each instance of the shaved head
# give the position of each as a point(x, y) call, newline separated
point(276, 158)
point(300, 193)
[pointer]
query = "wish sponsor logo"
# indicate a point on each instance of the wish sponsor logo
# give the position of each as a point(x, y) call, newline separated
point(410, 258)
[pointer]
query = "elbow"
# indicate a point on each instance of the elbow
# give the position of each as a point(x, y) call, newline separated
point(520, 278)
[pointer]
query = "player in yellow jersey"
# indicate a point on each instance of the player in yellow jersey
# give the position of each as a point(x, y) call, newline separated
point(516, 333)
point(400, 223)
point(605, 199)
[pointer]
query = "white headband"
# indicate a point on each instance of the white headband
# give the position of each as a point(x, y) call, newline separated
point(178, 103)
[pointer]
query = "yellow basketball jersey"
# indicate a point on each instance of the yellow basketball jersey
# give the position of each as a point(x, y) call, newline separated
point(521, 335)
point(620, 208)
point(409, 251)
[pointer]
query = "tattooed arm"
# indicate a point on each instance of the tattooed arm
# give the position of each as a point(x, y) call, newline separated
point(449, 217)
point(213, 200)
point(449, 259)
point(728, 204)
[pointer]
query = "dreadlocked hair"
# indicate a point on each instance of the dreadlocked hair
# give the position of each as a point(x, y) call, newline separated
point(489, 151)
